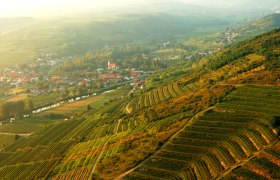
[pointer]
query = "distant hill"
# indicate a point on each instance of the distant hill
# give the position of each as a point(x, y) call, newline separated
point(70, 36)
point(260, 26)
point(7, 24)
point(269, 22)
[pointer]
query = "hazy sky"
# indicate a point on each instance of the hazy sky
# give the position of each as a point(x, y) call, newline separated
point(35, 8)
point(64, 7)
point(44, 7)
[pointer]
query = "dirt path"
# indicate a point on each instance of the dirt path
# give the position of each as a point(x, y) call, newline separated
point(103, 149)
point(127, 109)
point(97, 160)
point(117, 127)
point(13, 134)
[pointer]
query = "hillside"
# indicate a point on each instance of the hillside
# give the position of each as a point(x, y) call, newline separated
point(215, 118)
point(260, 26)
point(75, 36)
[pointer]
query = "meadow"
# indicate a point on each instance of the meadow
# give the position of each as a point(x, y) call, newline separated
point(93, 102)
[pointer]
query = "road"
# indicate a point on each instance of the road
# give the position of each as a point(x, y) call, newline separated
point(13, 134)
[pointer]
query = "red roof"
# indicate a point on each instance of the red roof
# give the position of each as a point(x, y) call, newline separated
point(113, 65)
point(12, 73)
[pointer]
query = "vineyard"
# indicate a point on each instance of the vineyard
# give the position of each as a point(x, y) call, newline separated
point(72, 148)
point(161, 95)
point(264, 166)
point(221, 138)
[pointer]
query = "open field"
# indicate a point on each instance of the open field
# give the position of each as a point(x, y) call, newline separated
point(43, 99)
point(20, 97)
point(26, 125)
point(94, 102)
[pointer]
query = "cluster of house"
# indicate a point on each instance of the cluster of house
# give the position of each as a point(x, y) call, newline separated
point(114, 74)
point(29, 73)
point(15, 76)
point(34, 72)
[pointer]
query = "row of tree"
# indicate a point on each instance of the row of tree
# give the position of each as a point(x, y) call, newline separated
point(15, 109)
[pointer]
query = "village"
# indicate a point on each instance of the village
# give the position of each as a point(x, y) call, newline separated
point(34, 77)
point(39, 78)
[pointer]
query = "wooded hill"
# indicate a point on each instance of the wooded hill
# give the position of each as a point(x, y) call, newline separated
point(217, 118)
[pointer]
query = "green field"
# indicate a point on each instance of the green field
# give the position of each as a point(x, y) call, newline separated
point(26, 125)
point(94, 102)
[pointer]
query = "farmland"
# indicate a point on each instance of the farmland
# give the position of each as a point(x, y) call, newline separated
point(93, 102)
point(157, 96)
point(27, 126)
point(218, 139)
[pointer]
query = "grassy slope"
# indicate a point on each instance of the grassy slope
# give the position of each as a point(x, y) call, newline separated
point(261, 26)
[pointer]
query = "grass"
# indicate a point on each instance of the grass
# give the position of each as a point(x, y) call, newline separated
point(26, 126)
point(16, 98)
point(170, 52)
point(40, 100)
point(70, 108)
point(94, 102)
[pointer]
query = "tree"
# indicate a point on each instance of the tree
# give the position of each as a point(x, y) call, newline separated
point(89, 107)
point(19, 108)
point(30, 104)
point(17, 137)
point(73, 91)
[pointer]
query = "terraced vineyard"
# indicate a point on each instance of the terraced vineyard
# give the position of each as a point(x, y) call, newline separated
point(42, 154)
point(73, 148)
point(220, 139)
point(161, 95)
point(263, 166)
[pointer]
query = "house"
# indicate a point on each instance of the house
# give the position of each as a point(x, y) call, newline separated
point(83, 82)
point(112, 66)
point(108, 76)
point(135, 74)
point(100, 69)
